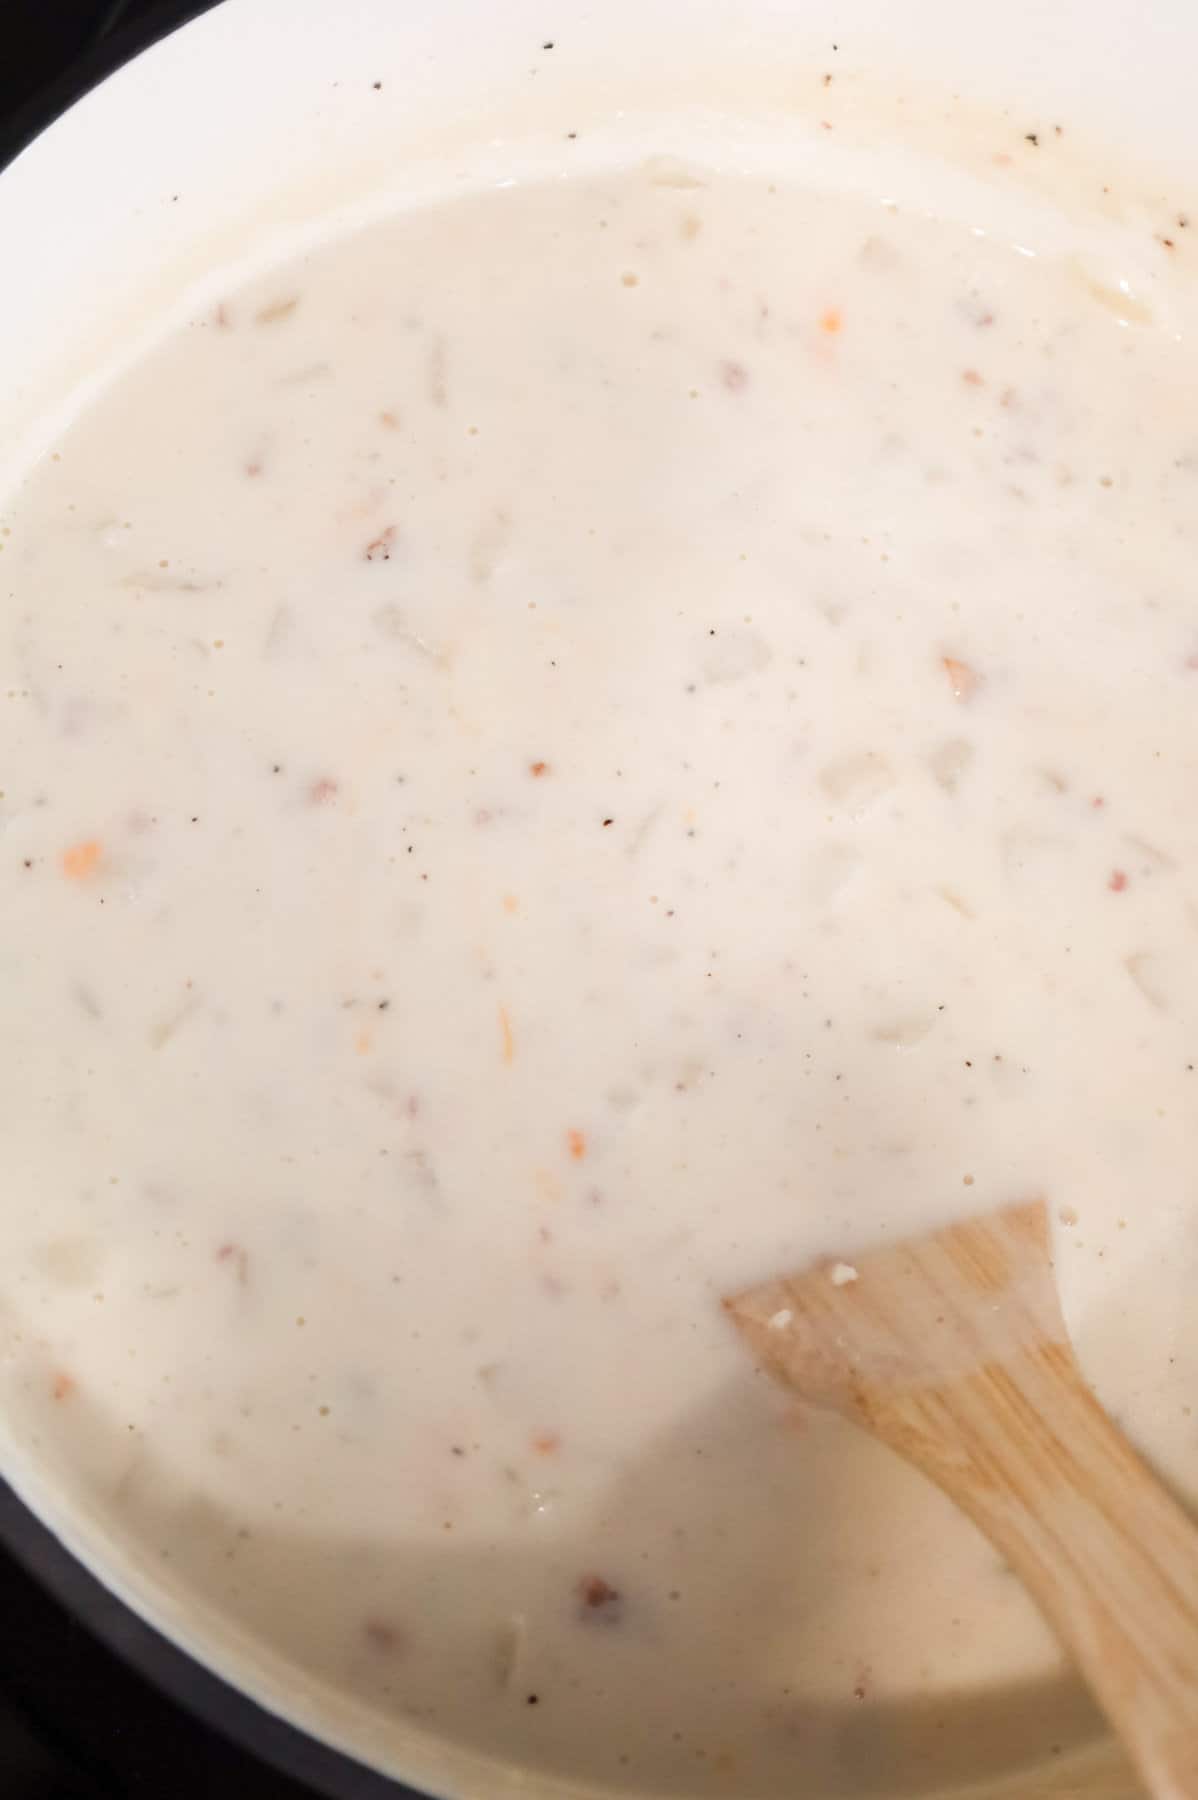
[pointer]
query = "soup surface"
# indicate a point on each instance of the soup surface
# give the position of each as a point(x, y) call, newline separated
point(562, 753)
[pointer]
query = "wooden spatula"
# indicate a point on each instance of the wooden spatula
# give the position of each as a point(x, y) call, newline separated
point(952, 1350)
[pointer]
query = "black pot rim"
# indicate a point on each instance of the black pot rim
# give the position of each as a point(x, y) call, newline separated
point(107, 52)
point(205, 1695)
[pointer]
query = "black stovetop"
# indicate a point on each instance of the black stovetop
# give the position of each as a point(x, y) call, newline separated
point(76, 1721)
point(40, 39)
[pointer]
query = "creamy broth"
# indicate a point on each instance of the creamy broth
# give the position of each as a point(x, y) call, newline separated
point(560, 754)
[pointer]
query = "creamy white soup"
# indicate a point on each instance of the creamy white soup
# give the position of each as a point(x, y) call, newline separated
point(562, 753)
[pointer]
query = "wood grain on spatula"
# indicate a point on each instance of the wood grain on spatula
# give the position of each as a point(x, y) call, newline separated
point(952, 1350)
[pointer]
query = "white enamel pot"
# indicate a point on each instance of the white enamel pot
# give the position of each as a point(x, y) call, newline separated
point(221, 143)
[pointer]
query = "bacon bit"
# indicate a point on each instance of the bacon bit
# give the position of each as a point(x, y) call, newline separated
point(506, 1038)
point(972, 378)
point(547, 1443)
point(1118, 881)
point(235, 1254)
point(1097, 802)
point(382, 1636)
point(253, 469)
point(538, 769)
point(64, 1386)
point(831, 321)
point(734, 376)
point(82, 860)
point(323, 790)
point(510, 903)
point(576, 1143)
point(597, 1598)
point(963, 680)
point(379, 548)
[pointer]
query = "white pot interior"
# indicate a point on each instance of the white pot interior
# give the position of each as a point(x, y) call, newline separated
point(264, 124)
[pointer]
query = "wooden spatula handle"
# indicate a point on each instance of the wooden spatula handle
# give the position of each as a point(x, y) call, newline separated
point(952, 1350)
point(1026, 1450)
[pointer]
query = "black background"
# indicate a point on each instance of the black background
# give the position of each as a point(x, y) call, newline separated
point(75, 1722)
point(39, 38)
